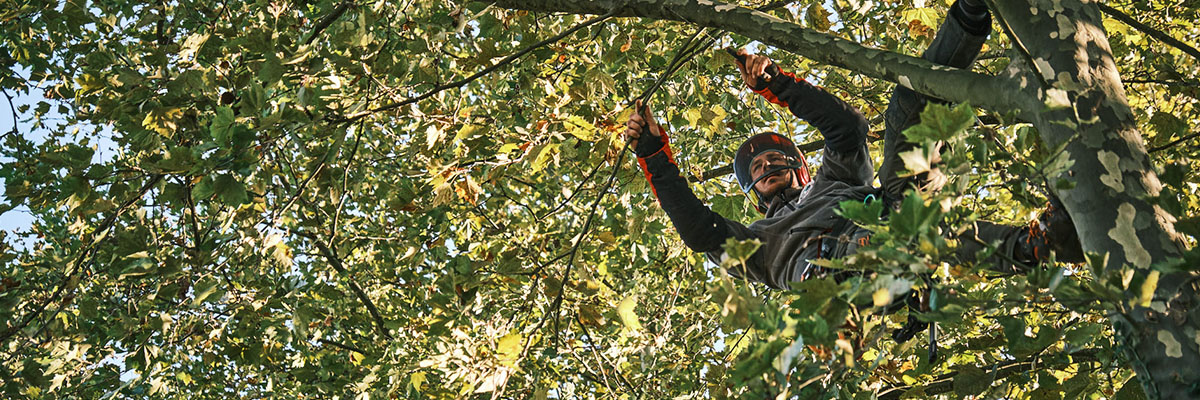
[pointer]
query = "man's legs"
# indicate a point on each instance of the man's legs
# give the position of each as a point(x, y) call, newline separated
point(957, 44)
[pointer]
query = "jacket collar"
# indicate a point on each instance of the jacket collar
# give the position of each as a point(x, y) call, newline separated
point(784, 201)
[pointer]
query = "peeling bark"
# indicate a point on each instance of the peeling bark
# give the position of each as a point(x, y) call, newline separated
point(940, 81)
point(1114, 182)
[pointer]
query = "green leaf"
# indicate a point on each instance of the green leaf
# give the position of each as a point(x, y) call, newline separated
point(1131, 390)
point(229, 190)
point(204, 189)
point(914, 216)
point(179, 159)
point(208, 289)
point(738, 251)
point(271, 70)
point(970, 381)
point(940, 122)
point(1167, 126)
point(221, 126)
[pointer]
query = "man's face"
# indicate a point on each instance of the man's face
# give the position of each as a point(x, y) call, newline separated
point(770, 186)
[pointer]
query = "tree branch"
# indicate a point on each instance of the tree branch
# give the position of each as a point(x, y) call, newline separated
point(343, 346)
point(485, 71)
point(921, 75)
point(1175, 142)
point(1164, 82)
point(336, 263)
point(328, 20)
point(1155, 33)
point(85, 255)
point(1018, 44)
point(14, 116)
point(945, 382)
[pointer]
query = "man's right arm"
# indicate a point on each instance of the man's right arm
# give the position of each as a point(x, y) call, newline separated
point(701, 228)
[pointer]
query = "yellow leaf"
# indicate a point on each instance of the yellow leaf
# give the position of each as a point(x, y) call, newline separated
point(926, 16)
point(590, 315)
point(915, 161)
point(881, 297)
point(467, 131)
point(184, 377)
point(468, 190)
point(416, 379)
point(580, 128)
point(442, 194)
point(548, 153)
point(817, 17)
point(628, 316)
point(508, 348)
point(1148, 287)
point(162, 120)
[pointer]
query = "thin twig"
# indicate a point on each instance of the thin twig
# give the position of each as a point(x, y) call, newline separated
point(342, 345)
point(1164, 82)
point(1157, 34)
point(485, 71)
point(945, 382)
point(1175, 142)
point(14, 116)
point(85, 256)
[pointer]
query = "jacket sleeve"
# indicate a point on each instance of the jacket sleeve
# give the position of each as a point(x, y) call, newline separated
point(844, 127)
point(701, 228)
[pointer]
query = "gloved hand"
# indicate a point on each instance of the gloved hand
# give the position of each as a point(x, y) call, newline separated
point(642, 121)
point(757, 71)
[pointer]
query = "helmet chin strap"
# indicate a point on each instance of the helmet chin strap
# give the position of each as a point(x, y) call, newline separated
point(794, 166)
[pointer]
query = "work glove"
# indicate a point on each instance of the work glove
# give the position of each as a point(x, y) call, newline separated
point(640, 123)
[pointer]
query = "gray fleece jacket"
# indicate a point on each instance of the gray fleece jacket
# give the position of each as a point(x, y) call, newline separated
point(796, 224)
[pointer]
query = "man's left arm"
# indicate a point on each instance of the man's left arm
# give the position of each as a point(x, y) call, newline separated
point(843, 126)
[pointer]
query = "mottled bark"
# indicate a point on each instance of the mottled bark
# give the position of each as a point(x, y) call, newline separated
point(1071, 90)
point(943, 82)
point(1085, 106)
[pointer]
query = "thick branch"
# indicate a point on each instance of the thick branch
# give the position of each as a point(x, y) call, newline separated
point(1155, 33)
point(942, 82)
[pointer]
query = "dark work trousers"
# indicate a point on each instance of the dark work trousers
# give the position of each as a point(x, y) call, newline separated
point(957, 44)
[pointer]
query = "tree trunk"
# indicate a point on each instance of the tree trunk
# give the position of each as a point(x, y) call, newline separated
point(1064, 81)
point(1074, 79)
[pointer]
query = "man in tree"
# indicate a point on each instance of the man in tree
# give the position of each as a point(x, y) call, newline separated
point(800, 222)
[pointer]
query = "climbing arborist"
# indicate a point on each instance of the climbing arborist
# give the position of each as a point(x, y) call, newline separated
point(799, 222)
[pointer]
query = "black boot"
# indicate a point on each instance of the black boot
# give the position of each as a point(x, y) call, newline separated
point(1052, 231)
